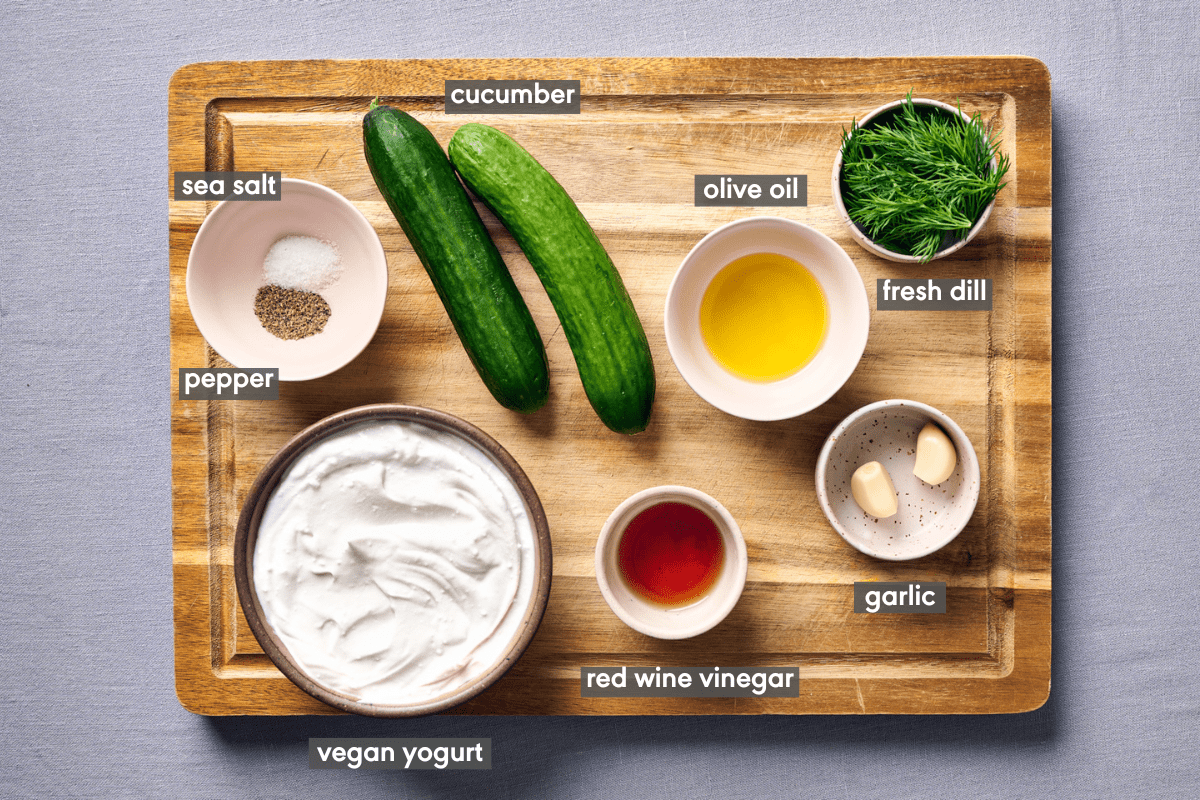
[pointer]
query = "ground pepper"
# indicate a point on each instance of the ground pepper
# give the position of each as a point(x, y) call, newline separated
point(290, 313)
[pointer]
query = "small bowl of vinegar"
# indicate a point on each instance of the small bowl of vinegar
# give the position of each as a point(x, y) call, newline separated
point(766, 318)
point(671, 562)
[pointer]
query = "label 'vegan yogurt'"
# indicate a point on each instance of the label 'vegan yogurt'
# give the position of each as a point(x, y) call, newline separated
point(395, 561)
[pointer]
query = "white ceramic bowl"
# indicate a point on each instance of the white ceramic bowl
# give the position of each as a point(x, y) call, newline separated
point(671, 622)
point(929, 517)
point(225, 271)
point(859, 234)
point(845, 337)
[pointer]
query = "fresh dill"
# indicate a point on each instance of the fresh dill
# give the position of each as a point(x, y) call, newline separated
point(918, 182)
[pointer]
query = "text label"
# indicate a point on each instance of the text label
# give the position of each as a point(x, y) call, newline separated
point(228, 185)
point(345, 753)
point(933, 294)
point(512, 97)
point(689, 682)
point(751, 190)
point(890, 597)
point(229, 384)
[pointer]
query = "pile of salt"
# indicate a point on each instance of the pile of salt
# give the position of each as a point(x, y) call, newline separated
point(302, 262)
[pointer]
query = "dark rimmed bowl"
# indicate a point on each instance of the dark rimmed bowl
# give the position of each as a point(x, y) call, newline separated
point(885, 113)
point(267, 481)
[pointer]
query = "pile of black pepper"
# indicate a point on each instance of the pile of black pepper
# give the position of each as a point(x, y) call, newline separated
point(290, 313)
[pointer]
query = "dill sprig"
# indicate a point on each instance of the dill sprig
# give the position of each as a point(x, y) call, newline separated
point(918, 182)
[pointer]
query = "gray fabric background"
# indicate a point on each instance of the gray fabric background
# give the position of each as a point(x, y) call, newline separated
point(88, 706)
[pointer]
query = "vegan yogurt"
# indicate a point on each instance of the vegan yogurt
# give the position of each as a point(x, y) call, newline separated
point(395, 561)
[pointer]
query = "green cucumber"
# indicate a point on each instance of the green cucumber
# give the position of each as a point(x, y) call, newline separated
point(487, 311)
point(597, 316)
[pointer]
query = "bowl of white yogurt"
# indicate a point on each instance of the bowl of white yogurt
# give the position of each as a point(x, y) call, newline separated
point(393, 561)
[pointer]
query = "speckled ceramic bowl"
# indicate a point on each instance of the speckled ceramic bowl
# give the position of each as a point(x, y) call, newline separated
point(929, 517)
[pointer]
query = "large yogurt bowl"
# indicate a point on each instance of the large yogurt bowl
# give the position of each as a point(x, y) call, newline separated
point(476, 673)
point(845, 335)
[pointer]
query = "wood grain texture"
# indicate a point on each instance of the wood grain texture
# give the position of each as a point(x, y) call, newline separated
point(647, 127)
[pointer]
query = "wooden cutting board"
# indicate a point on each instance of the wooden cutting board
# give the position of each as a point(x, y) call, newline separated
point(647, 127)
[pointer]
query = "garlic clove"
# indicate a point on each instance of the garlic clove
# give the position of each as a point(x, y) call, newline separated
point(873, 490)
point(936, 457)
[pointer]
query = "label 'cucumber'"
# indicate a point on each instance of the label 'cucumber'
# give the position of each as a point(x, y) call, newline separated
point(445, 230)
point(592, 303)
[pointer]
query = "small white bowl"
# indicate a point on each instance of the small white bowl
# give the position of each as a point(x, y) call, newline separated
point(671, 622)
point(859, 234)
point(225, 271)
point(845, 336)
point(929, 517)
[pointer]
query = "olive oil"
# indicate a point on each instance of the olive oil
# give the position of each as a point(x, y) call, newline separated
point(764, 317)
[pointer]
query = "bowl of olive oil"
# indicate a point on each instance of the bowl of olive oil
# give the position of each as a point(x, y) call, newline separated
point(766, 318)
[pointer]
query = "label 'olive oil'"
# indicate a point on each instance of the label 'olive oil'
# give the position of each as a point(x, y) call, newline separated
point(763, 317)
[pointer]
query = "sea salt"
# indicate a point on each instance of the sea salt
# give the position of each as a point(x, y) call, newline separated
point(302, 262)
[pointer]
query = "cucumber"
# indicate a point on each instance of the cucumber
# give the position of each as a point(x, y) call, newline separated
point(597, 316)
point(487, 311)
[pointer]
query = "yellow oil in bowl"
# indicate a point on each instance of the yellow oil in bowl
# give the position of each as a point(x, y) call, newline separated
point(763, 317)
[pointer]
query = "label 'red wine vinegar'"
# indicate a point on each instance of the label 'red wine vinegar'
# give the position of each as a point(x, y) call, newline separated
point(671, 553)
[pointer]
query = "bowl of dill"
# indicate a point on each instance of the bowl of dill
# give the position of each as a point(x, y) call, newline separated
point(916, 179)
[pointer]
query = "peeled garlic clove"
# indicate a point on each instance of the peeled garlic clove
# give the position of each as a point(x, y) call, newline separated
point(936, 457)
point(873, 490)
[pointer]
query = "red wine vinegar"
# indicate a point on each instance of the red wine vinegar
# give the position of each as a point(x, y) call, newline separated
point(671, 553)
